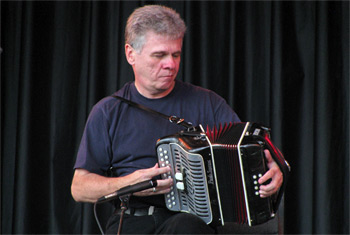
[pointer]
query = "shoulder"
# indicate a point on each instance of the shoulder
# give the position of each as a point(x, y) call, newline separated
point(109, 104)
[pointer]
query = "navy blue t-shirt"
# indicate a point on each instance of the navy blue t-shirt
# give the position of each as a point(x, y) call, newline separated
point(124, 137)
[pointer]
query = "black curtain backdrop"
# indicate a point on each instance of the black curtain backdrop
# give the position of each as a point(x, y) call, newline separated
point(285, 64)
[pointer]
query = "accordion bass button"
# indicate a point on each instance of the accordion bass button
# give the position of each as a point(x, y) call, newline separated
point(180, 186)
point(179, 176)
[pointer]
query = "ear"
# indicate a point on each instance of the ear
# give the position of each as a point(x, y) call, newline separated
point(130, 54)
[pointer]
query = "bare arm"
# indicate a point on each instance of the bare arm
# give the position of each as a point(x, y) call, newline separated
point(88, 187)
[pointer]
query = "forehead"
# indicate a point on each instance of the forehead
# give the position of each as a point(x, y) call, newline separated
point(156, 42)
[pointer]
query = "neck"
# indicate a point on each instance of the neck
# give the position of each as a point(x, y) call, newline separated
point(154, 94)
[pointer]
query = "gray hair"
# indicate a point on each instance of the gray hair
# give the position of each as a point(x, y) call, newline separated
point(155, 18)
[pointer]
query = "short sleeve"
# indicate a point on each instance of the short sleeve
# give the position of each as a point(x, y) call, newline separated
point(94, 152)
point(224, 113)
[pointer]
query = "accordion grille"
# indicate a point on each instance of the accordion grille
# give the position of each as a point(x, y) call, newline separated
point(196, 198)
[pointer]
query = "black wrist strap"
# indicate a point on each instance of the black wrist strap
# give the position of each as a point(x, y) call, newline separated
point(172, 119)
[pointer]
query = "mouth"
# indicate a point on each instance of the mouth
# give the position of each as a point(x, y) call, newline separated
point(167, 76)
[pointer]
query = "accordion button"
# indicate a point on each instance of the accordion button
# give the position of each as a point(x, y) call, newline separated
point(165, 152)
point(180, 186)
point(179, 176)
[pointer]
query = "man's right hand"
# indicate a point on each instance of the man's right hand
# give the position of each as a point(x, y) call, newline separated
point(89, 187)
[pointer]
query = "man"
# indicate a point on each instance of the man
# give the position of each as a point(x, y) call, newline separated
point(122, 138)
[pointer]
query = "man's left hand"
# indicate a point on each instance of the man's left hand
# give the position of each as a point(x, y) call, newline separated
point(274, 173)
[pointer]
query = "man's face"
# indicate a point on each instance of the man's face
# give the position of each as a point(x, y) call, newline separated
point(156, 66)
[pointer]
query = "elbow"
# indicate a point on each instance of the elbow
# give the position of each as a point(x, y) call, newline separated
point(76, 196)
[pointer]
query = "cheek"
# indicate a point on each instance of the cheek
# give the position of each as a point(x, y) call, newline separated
point(154, 68)
point(147, 69)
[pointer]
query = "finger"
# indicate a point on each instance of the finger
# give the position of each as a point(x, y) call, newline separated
point(163, 186)
point(268, 155)
point(268, 175)
point(155, 171)
point(163, 170)
point(267, 188)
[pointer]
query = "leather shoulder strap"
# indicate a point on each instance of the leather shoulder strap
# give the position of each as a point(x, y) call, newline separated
point(172, 119)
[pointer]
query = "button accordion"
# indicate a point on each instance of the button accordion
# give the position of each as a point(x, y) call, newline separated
point(216, 173)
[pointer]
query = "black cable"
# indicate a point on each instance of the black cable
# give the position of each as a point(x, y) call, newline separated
point(96, 218)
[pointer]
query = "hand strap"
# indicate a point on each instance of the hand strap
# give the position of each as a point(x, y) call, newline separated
point(172, 119)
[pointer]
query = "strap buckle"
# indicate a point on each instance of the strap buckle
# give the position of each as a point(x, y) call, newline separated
point(174, 119)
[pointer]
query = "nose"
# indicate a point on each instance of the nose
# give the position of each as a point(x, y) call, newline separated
point(170, 63)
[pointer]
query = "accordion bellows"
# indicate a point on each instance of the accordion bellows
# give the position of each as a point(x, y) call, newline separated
point(216, 173)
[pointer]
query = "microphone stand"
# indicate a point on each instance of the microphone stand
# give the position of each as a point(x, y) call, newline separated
point(124, 195)
point(123, 206)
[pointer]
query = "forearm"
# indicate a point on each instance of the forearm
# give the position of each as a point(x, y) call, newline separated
point(88, 187)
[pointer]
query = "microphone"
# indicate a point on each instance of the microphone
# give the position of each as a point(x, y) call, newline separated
point(129, 190)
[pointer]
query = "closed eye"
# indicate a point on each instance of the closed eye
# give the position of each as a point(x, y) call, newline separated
point(159, 54)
